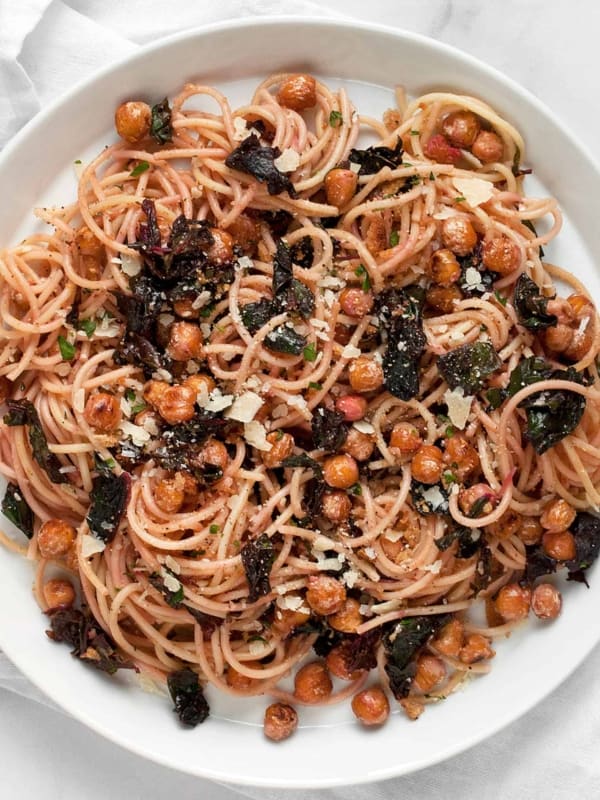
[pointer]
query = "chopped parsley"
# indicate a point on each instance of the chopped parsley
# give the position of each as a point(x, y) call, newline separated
point(394, 238)
point(310, 352)
point(336, 119)
point(361, 272)
point(315, 385)
point(67, 350)
point(214, 528)
point(88, 326)
point(139, 169)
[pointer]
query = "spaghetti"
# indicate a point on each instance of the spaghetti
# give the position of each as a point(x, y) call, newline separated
point(269, 391)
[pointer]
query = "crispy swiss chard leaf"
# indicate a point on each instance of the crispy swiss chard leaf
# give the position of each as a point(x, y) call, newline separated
point(372, 159)
point(328, 429)
point(142, 306)
point(207, 622)
point(189, 702)
point(429, 499)
point(528, 370)
point(402, 643)
point(483, 571)
point(475, 280)
point(303, 252)
point(257, 560)
point(16, 509)
point(586, 532)
point(289, 293)
point(531, 306)
point(87, 638)
point(278, 221)
point(173, 598)
point(255, 315)
point(327, 637)
point(360, 652)
point(285, 339)
point(282, 269)
point(538, 564)
point(257, 160)
point(400, 316)
point(468, 366)
point(469, 541)
point(304, 460)
point(553, 414)
point(160, 123)
point(23, 412)
point(181, 445)
point(109, 498)
point(141, 352)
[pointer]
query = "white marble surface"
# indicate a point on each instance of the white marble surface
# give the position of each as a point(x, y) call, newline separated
point(549, 46)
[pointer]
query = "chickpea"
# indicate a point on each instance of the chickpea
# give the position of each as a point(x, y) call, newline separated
point(583, 334)
point(371, 706)
point(190, 487)
point(488, 147)
point(185, 341)
point(102, 412)
point(509, 524)
point(450, 639)
point(348, 618)
point(365, 374)
point(221, 250)
point(215, 453)
point(557, 516)
point(246, 233)
point(200, 383)
point(427, 464)
point(358, 445)
point(132, 120)
point(325, 594)
point(356, 302)
point(5, 389)
point(531, 531)
point(412, 707)
point(148, 419)
point(352, 406)
point(443, 299)
point(444, 269)
point(59, 593)
point(546, 601)
point(280, 722)
point(340, 186)
point(237, 680)
point(375, 233)
point(477, 500)
point(559, 338)
point(282, 447)
point(461, 456)
point(461, 128)
point(298, 92)
point(55, 538)
point(340, 472)
point(513, 601)
point(405, 440)
point(476, 648)
point(169, 494)
point(312, 683)
point(439, 149)
point(154, 390)
point(91, 253)
point(560, 546)
point(336, 506)
point(286, 620)
point(458, 235)
point(431, 671)
point(337, 664)
point(176, 404)
point(184, 307)
point(501, 255)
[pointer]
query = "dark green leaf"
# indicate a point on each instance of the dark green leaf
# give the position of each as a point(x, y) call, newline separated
point(483, 571)
point(16, 509)
point(285, 339)
point(255, 315)
point(88, 326)
point(22, 412)
point(190, 705)
point(468, 540)
point(328, 429)
point(586, 532)
point(109, 498)
point(402, 643)
point(373, 159)
point(529, 224)
point(468, 366)
point(531, 306)
point(174, 599)
point(361, 272)
point(303, 252)
point(304, 460)
point(394, 238)
point(257, 560)
point(257, 160)
point(87, 638)
point(553, 414)
point(160, 125)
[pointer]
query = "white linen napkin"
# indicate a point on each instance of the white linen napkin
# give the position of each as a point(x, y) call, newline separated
point(48, 45)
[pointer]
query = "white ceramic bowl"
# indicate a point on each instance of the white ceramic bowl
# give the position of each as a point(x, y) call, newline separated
point(330, 748)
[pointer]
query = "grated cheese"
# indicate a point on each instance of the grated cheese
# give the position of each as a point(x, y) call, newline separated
point(131, 264)
point(244, 407)
point(288, 161)
point(170, 581)
point(173, 565)
point(90, 545)
point(136, 433)
point(256, 435)
point(362, 426)
point(475, 190)
point(445, 213)
point(350, 351)
point(459, 406)
point(434, 498)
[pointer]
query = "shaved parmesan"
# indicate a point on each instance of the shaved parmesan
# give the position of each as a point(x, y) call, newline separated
point(244, 262)
point(331, 282)
point(79, 400)
point(473, 278)
point(131, 264)
point(459, 406)
point(291, 602)
point(256, 435)
point(433, 568)
point(256, 647)
point(244, 407)
point(279, 411)
point(322, 543)
point(362, 426)
point(297, 402)
point(215, 401)
point(240, 129)
point(319, 323)
point(202, 300)
point(170, 581)
point(434, 498)
point(173, 565)
point(355, 167)
point(475, 190)
point(350, 577)
point(90, 545)
point(136, 433)
point(350, 351)
point(288, 161)
point(445, 213)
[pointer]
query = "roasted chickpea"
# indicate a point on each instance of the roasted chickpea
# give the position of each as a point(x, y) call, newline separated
point(91, 254)
point(185, 341)
point(444, 269)
point(476, 648)
point(59, 593)
point(558, 338)
point(458, 235)
point(176, 404)
point(340, 472)
point(281, 720)
point(439, 149)
point(531, 531)
point(488, 147)
point(427, 464)
point(184, 307)
point(132, 120)
point(501, 255)
point(154, 390)
point(337, 664)
point(450, 639)
point(215, 453)
point(460, 456)
point(348, 618)
point(336, 506)
point(55, 538)
point(374, 233)
point(325, 595)
point(340, 186)
point(557, 516)
point(246, 233)
point(102, 412)
point(431, 671)
point(513, 601)
point(584, 330)
point(237, 680)
point(169, 494)
point(298, 92)
point(221, 250)
point(477, 500)
point(282, 446)
point(443, 299)
point(352, 406)
point(412, 707)
point(461, 128)
point(356, 302)
point(312, 683)
point(560, 546)
point(365, 374)
point(371, 706)
point(509, 524)
point(546, 601)
point(405, 440)
point(358, 445)
point(286, 620)
point(200, 383)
